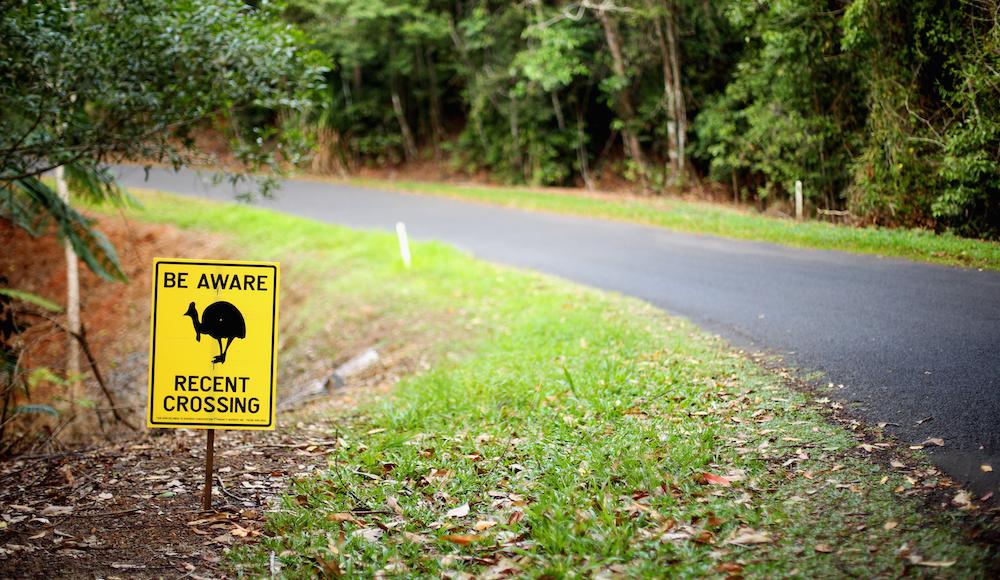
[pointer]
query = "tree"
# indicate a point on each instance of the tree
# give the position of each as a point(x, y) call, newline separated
point(929, 155)
point(619, 84)
point(89, 82)
point(792, 108)
point(390, 65)
point(886, 108)
point(673, 91)
point(95, 81)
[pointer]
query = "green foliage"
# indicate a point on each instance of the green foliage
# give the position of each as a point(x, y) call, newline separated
point(931, 154)
point(791, 110)
point(99, 80)
point(30, 298)
point(35, 410)
point(888, 109)
point(14, 380)
point(379, 49)
point(31, 204)
point(94, 81)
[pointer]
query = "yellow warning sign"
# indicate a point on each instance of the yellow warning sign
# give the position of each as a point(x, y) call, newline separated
point(213, 340)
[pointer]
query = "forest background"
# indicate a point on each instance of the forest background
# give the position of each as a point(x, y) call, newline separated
point(884, 108)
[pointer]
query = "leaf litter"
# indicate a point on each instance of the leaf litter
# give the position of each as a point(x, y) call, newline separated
point(79, 513)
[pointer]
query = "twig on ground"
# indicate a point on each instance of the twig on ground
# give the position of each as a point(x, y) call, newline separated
point(294, 445)
point(60, 454)
point(222, 487)
point(368, 512)
point(102, 514)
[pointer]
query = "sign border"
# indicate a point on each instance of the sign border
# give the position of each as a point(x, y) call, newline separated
point(152, 347)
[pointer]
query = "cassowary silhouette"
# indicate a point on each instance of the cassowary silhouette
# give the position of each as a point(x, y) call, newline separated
point(219, 320)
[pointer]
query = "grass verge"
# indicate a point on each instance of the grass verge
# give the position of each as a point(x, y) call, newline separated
point(572, 432)
point(707, 218)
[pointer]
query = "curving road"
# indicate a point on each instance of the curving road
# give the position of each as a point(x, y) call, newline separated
point(915, 345)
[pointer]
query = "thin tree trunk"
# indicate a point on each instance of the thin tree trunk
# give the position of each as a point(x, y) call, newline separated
point(456, 39)
point(409, 145)
point(72, 307)
point(680, 108)
point(626, 110)
point(419, 75)
point(554, 94)
point(437, 126)
point(515, 133)
point(581, 151)
point(557, 107)
point(668, 94)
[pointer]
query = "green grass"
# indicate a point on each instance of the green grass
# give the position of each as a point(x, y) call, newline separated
point(706, 218)
point(582, 429)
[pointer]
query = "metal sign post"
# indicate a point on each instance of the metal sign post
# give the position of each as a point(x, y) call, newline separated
point(206, 496)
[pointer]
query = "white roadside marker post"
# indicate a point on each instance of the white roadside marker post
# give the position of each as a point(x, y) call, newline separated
point(798, 200)
point(404, 243)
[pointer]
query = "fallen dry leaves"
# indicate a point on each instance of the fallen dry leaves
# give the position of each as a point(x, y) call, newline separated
point(81, 513)
point(748, 537)
point(393, 504)
point(460, 539)
point(962, 500)
point(712, 479)
point(459, 512)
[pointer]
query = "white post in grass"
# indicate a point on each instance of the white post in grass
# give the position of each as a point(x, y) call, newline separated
point(404, 243)
point(798, 200)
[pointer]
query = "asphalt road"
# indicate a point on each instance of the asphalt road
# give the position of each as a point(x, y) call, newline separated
point(915, 345)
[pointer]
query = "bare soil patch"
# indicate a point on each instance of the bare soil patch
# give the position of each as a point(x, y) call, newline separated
point(133, 508)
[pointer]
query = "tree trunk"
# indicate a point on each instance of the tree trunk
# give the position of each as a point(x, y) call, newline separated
point(680, 108)
point(515, 134)
point(626, 110)
point(409, 144)
point(581, 151)
point(673, 93)
point(456, 39)
point(668, 93)
point(437, 127)
point(557, 107)
point(72, 311)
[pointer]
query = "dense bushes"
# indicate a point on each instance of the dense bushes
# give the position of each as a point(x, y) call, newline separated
point(931, 151)
point(888, 108)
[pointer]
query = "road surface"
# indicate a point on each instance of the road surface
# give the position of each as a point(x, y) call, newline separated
point(915, 345)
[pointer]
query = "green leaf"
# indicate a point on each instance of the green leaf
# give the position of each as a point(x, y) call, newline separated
point(35, 409)
point(44, 374)
point(30, 298)
point(89, 244)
